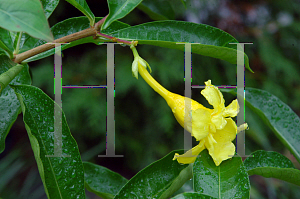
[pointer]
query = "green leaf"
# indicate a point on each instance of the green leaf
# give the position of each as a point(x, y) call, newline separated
point(49, 6)
point(270, 164)
point(84, 8)
point(119, 9)
point(192, 196)
point(158, 180)
point(6, 49)
point(67, 27)
point(6, 39)
point(284, 122)
point(213, 42)
point(26, 16)
point(19, 47)
point(62, 177)
point(158, 9)
point(102, 181)
point(10, 105)
point(228, 180)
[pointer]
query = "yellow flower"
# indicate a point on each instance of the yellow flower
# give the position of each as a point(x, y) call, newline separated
point(213, 128)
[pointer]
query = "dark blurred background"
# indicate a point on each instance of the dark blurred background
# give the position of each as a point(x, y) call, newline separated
point(146, 129)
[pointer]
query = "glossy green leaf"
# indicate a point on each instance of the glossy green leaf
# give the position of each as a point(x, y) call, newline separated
point(102, 181)
point(6, 50)
point(84, 8)
point(158, 9)
point(270, 164)
point(20, 38)
point(284, 122)
point(67, 27)
point(119, 9)
point(211, 41)
point(158, 180)
point(6, 39)
point(49, 6)
point(9, 104)
point(192, 196)
point(228, 180)
point(63, 176)
point(26, 16)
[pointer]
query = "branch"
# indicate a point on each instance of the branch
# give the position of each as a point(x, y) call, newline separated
point(92, 31)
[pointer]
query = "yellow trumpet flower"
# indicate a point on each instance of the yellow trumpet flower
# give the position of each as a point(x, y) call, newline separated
point(213, 128)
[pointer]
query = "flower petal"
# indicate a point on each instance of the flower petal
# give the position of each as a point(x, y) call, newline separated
point(213, 95)
point(222, 151)
point(219, 121)
point(222, 148)
point(189, 156)
point(201, 122)
point(228, 133)
point(210, 143)
point(232, 109)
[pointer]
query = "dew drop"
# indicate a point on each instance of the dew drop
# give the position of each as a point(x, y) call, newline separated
point(270, 104)
point(73, 175)
point(73, 162)
point(51, 129)
point(279, 105)
point(39, 118)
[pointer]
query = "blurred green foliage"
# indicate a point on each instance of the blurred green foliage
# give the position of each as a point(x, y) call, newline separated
point(146, 129)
